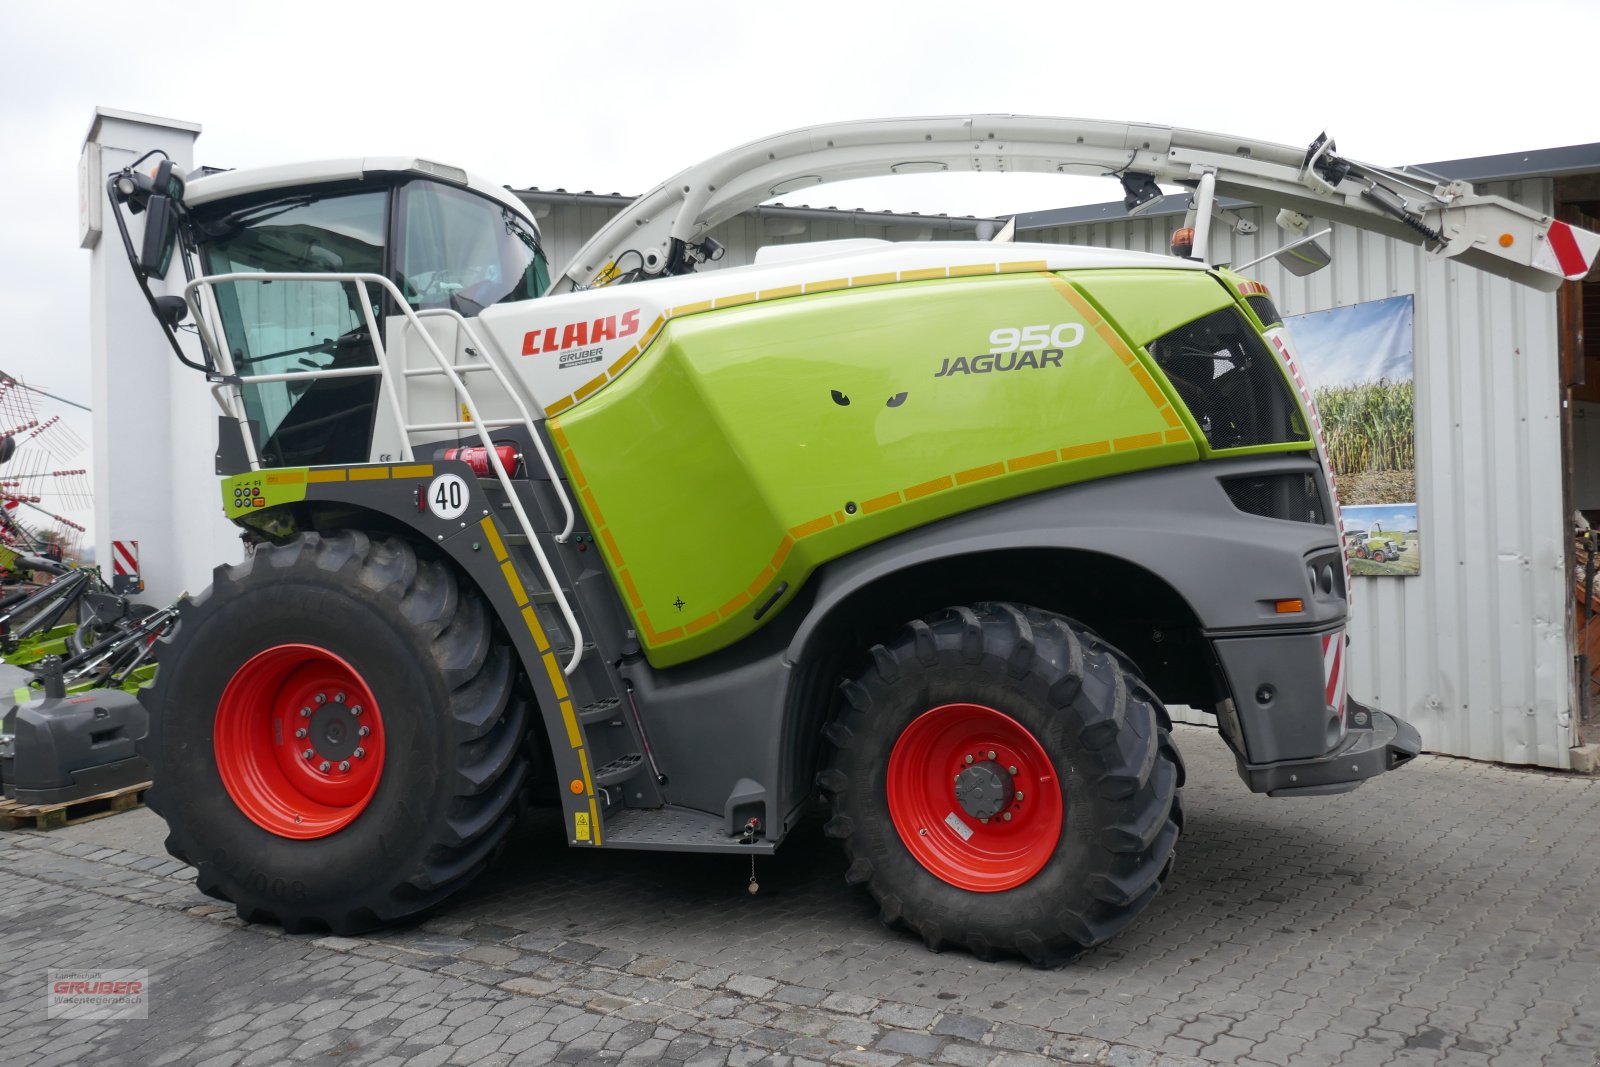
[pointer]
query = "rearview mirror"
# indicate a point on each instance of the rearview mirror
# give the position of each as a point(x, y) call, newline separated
point(160, 236)
point(1303, 258)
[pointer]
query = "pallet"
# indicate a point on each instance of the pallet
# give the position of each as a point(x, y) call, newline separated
point(14, 816)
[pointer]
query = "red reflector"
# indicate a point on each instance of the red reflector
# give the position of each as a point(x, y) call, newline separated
point(477, 458)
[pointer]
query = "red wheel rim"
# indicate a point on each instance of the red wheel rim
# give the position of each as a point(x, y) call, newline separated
point(974, 748)
point(282, 704)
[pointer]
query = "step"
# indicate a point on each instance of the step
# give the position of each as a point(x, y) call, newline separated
point(619, 770)
point(675, 830)
point(606, 710)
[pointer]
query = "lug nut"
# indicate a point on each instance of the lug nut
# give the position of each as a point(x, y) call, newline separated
point(338, 698)
point(355, 709)
point(360, 753)
point(991, 753)
point(307, 754)
point(1019, 794)
point(1006, 816)
point(323, 767)
point(322, 698)
point(1012, 769)
point(305, 713)
point(364, 731)
point(344, 765)
point(969, 759)
point(300, 732)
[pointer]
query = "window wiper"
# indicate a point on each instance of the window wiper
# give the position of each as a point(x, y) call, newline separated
point(234, 221)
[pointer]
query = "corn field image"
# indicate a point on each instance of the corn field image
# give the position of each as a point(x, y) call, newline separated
point(1358, 361)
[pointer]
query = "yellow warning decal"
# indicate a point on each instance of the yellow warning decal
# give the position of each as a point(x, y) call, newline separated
point(580, 825)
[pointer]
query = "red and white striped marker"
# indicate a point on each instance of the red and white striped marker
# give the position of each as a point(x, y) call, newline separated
point(1333, 672)
point(1567, 251)
point(125, 559)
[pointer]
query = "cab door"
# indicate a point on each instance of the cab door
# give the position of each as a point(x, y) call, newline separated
point(455, 249)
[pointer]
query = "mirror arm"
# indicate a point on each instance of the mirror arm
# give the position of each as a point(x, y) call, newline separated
point(1296, 243)
point(208, 367)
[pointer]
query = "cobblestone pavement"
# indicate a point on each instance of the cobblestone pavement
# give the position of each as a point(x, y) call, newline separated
point(1442, 914)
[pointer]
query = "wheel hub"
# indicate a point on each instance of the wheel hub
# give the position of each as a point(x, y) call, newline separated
point(335, 729)
point(984, 789)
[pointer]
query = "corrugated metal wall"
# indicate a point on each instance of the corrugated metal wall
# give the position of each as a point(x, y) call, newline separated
point(1475, 651)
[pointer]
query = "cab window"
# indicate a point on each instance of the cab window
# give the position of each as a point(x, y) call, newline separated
point(465, 252)
point(294, 326)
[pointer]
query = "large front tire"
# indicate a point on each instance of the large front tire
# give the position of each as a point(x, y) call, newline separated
point(1002, 780)
point(389, 673)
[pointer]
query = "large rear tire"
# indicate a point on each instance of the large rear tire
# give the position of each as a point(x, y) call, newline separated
point(1002, 780)
point(389, 672)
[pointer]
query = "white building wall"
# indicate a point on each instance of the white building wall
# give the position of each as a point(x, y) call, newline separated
point(1476, 650)
point(155, 424)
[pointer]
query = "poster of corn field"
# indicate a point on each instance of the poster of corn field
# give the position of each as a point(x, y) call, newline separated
point(1358, 361)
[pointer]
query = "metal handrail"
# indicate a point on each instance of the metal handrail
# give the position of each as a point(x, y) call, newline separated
point(446, 368)
point(489, 354)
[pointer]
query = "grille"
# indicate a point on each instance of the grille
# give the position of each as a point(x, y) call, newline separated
point(1265, 310)
point(1230, 381)
point(1297, 497)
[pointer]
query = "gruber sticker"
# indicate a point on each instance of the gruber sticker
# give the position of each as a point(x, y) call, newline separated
point(447, 496)
point(580, 342)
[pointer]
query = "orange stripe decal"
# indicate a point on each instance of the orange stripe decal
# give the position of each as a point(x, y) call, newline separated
point(1137, 441)
point(806, 529)
point(784, 548)
point(558, 682)
point(492, 535)
point(878, 503)
point(622, 364)
point(1095, 448)
point(768, 573)
point(593, 508)
point(978, 474)
point(632, 590)
point(540, 642)
point(1152, 390)
point(732, 606)
point(937, 485)
point(611, 546)
point(509, 569)
point(1174, 436)
point(1038, 459)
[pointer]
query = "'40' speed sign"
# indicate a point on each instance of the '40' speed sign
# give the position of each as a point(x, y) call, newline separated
point(447, 496)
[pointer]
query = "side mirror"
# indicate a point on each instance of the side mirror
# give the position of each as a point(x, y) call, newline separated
point(160, 236)
point(171, 310)
point(1303, 258)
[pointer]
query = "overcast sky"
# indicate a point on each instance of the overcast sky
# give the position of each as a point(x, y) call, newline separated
point(616, 97)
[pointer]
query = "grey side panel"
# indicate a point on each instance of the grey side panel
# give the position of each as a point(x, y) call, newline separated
point(1177, 522)
point(1279, 693)
point(754, 711)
